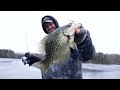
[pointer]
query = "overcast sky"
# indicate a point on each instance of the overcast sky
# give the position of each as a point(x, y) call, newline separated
point(15, 26)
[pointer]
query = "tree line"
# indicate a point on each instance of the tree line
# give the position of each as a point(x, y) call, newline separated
point(7, 53)
point(100, 58)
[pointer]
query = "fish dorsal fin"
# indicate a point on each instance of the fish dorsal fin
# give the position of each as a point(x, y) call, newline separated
point(42, 45)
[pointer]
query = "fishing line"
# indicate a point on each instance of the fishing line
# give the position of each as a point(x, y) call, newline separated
point(27, 42)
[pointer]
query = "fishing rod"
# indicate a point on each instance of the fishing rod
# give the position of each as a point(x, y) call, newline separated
point(24, 58)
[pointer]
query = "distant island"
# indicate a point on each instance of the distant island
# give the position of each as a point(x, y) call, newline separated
point(100, 58)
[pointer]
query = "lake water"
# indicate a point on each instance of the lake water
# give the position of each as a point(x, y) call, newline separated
point(15, 69)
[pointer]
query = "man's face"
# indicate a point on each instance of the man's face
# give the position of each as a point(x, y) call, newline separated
point(50, 27)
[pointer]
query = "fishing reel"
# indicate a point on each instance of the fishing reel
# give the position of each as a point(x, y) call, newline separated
point(25, 60)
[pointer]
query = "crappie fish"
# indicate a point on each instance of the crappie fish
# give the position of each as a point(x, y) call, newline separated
point(56, 46)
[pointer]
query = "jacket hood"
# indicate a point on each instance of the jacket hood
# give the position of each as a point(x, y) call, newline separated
point(50, 18)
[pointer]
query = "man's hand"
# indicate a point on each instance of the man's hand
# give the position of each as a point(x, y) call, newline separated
point(77, 31)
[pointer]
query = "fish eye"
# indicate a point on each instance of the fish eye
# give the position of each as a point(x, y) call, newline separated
point(69, 25)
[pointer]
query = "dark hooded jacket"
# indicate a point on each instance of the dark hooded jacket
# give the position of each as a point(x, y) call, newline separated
point(72, 68)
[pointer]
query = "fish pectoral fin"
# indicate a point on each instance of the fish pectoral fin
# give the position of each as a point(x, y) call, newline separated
point(37, 65)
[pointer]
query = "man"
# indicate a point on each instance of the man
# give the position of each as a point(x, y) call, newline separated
point(72, 69)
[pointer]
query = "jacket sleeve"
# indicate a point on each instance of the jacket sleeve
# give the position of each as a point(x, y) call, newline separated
point(33, 59)
point(85, 46)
